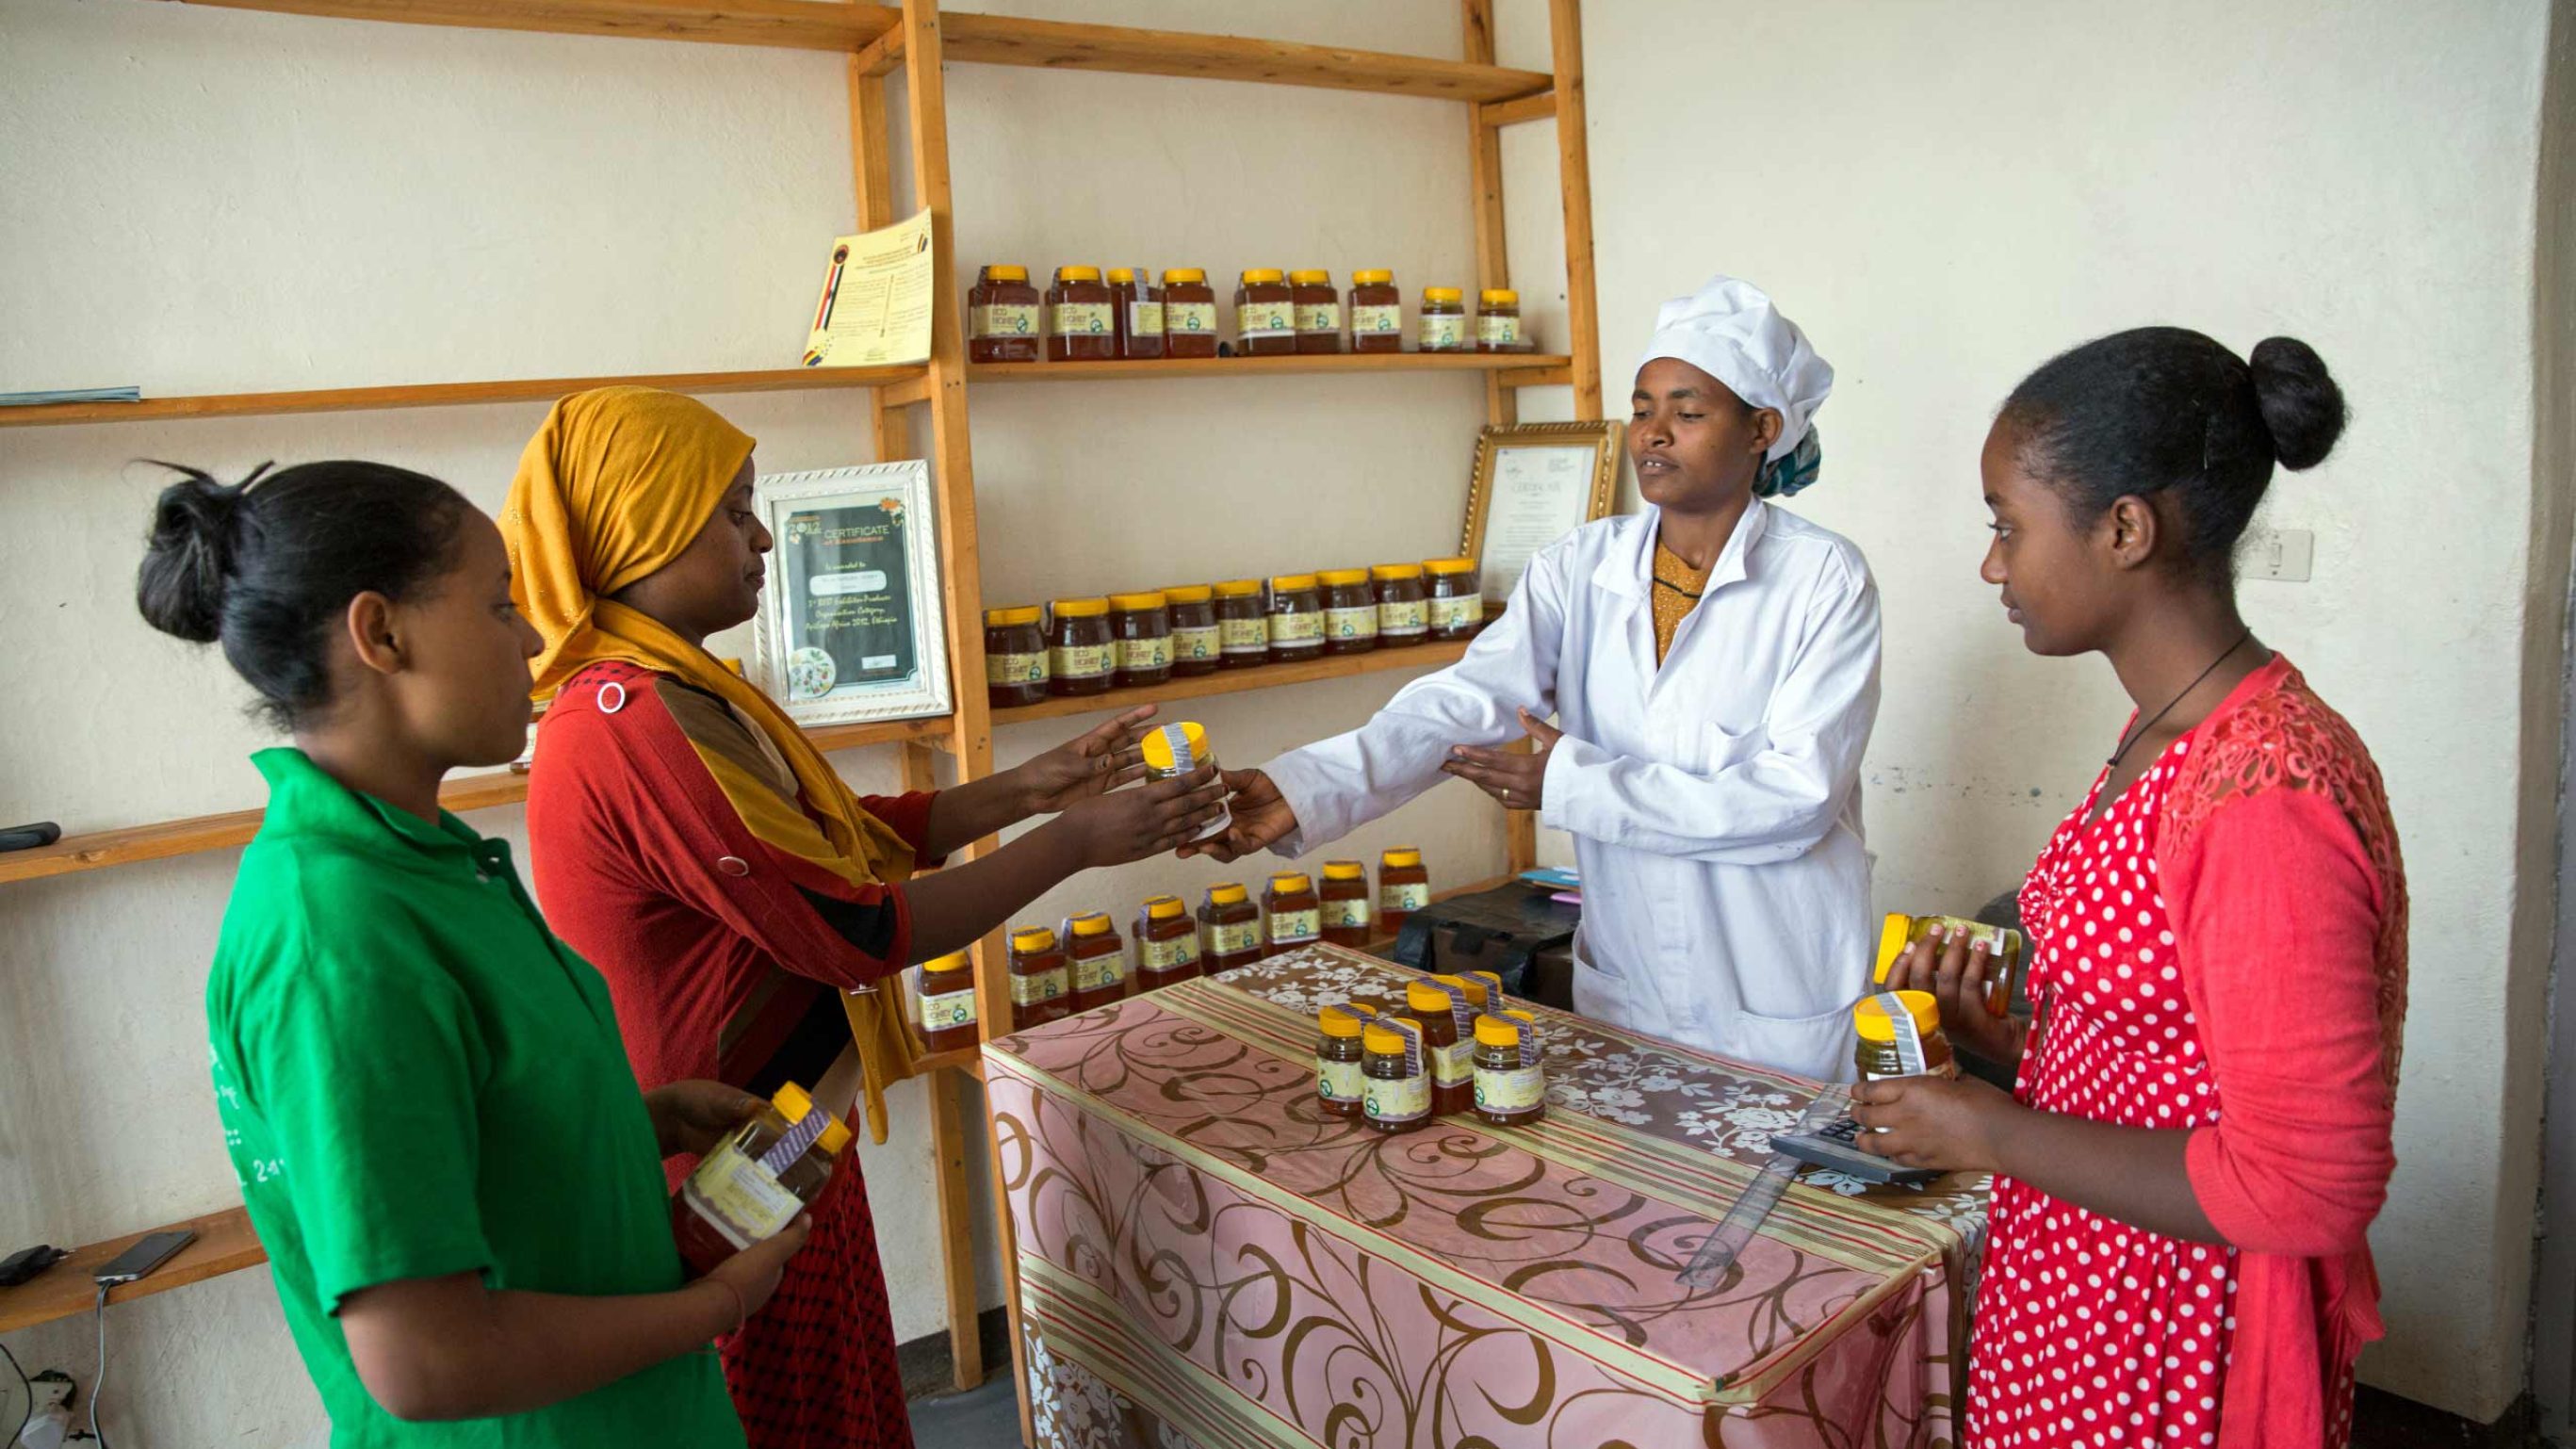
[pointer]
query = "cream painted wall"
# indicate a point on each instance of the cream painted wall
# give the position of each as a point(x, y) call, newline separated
point(199, 200)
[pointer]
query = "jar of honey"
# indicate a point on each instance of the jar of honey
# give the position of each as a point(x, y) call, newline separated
point(1341, 1084)
point(1511, 1079)
point(1197, 642)
point(1265, 315)
point(2003, 951)
point(1403, 887)
point(1377, 313)
point(1350, 611)
point(1039, 981)
point(1345, 897)
point(754, 1183)
point(1457, 603)
point(1295, 914)
point(1242, 624)
point(1082, 325)
point(1002, 317)
point(1167, 943)
point(1318, 310)
point(1082, 650)
point(1233, 925)
point(1143, 631)
point(1173, 750)
point(948, 1003)
point(1296, 614)
point(1137, 308)
point(1498, 320)
point(1396, 1083)
point(1443, 321)
point(1015, 657)
point(1877, 1049)
point(1448, 1040)
point(1097, 960)
point(1189, 313)
point(1403, 615)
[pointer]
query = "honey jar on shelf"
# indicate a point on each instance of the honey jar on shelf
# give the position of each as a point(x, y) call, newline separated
point(1403, 887)
point(1095, 959)
point(1457, 602)
point(1137, 309)
point(1318, 311)
point(1294, 915)
point(1377, 313)
point(1143, 630)
point(1296, 615)
point(1081, 323)
point(1265, 315)
point(1189, 313)
point(1498, 320)
point(1403, 610)
point(1039, 980)
point(1443, 321)
point(1345, 897)
point(1002, 316)
point(1198, 645)
point(1350, 611)
point(1082, 650)
point(948, 1003)
point(1015, 657)
point(1242, 624)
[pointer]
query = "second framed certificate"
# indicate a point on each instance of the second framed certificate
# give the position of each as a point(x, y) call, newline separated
point(1532, 486)
point(850, 627)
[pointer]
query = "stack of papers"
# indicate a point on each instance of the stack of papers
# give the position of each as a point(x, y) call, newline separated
point(41, 396)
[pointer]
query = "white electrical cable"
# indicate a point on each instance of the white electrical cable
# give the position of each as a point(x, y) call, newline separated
point(98, 1386)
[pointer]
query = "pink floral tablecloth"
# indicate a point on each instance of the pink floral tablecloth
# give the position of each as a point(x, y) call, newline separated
point(1208, 1261)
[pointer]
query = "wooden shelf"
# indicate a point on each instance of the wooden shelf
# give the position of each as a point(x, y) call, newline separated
point(225, 1244)
point(1238, 681)
point(789, 24)
point(167, 838)
point(1342, 362)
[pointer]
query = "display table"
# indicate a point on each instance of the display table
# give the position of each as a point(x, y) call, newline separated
point(1206, 1259)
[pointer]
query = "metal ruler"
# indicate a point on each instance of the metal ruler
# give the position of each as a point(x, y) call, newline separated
point(1759, 1197)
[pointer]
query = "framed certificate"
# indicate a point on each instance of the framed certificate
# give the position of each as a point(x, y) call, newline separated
point(1532, 486)
point(850, 627)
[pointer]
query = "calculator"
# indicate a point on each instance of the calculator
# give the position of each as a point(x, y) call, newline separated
point(1835, 1147)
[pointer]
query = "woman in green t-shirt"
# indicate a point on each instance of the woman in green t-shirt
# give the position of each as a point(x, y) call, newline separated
point(423, 1092)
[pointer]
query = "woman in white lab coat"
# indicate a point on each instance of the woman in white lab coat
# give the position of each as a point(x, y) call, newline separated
point(1712, 662)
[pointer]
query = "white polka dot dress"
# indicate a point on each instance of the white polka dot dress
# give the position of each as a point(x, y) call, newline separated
point(2091, 1332)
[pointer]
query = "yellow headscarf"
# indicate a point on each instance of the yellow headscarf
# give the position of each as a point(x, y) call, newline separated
point(614, 486)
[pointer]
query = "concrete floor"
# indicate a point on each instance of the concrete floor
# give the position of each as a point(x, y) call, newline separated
point(987, 1418)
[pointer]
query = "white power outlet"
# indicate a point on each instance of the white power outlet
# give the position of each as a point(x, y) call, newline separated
point(2284, 554)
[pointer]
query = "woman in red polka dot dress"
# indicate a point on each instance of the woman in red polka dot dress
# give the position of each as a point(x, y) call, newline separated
point(2199, 1135)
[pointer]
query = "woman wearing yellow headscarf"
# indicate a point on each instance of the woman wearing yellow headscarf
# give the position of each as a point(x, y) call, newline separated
point(690, 841)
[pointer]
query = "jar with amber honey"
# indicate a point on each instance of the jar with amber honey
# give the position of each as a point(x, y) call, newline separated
point(1457, 603)
point(1082, 650)
point(1318, 311)
point(1443, 321)
point(1002, 317)
point(1377, 313)
point(1232, 923)
point(1197, 643)
point(1498, 320)
point(948, 1003)
point(1242, 624)
point(1015, 657)
point(1082, 322)
point(1296, 613)
point(1039, 981)
point(1350, 611)
point(1265, 315)
point(1143, 631)
point(1137, 309)
point(1189, 313)
point(1403, 609)
point(1345, 898)
point(1096, 960)
point(1167, 943)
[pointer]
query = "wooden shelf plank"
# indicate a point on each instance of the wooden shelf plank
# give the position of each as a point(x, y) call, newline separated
point(790, 24)
point(1339, 362)
point(163, 839)
point(446, 394)
point(225, 1244)
point(1060, 45)
point(1239, 681)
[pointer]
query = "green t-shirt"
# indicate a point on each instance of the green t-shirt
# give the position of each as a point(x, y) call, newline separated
point(416, 1079)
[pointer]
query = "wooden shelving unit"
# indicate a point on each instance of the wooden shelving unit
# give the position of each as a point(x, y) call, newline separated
point(225, 1244)
point(920, 40)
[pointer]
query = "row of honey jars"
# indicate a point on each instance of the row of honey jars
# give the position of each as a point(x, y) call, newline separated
point(1087, 315)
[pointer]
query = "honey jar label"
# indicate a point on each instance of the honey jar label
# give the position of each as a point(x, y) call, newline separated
point(1453, 613)
point(1341, 1081)
point(1244, 636)
point(1454, 1065)
point(1402, 1100)
point(1082, 661)
point(1265, 319)
point(1144, 319)
point(948, 1009)
point(1036, 986)
point(1320, 317)
point(739, 1198)
point(1189, 317)
point(1169, 955)
point(1517, 1090)
point(1294, 928)
point(1234, 938)
point(1443, 332)
point(1095, 972)
point(1084, 319)
point(1003, 319)
point(1403, 616)
point(1015, 669)
point(1495, 331)
point(1377, 321)
point(1346, 915)
point(1359, 623)
point(1295, 628)
point(1204, 642)
point(1412, 896)
point(1141, 654)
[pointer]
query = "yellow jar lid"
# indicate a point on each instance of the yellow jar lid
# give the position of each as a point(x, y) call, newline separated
point(1386, 1041)
point(1388, 573)
point(1309, 276)
point(1173, 275)
point(1192, 593)
point(1260, 276)
point(1473, 989)
point(1285, 583)
point(1238, 589)
point(1499, 297)
point(1494, 1031)
point(792, 1101)
point(1449, 565)
point(1291, 883)
point(1164, 908)
point(953, 961)
point(1089, 923)
point(1011, 618)
point(1345, 870)
point(1077, 274)
point(1122, 274)
point(1871, 1020)
point(1893, 935)
point(1343, 578)
point(1135, 603)
point(1157, 744)
point(1427, 996)
point(1081, 608)
point(1403, 857)
point(1228, 895)
point(1443, 294)
point(1372, 278)
point(1029, 939)
point(1338, 1023)
point(1007, 274)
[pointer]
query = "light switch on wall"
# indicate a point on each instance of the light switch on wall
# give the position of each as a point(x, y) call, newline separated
point(2284, 554)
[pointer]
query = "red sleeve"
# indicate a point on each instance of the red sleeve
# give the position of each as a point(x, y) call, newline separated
point(2276, 908)
point(907, 815)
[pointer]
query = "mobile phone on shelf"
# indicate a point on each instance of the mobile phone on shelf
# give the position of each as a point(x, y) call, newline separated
point(149, 1253)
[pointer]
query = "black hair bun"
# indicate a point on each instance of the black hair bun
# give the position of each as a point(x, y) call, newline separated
point(2302, 407)
point(180, 588)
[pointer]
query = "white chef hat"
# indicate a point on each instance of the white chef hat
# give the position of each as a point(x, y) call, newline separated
point(1729, 330)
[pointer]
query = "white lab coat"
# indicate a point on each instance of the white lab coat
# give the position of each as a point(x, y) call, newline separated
point(1714, 802)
